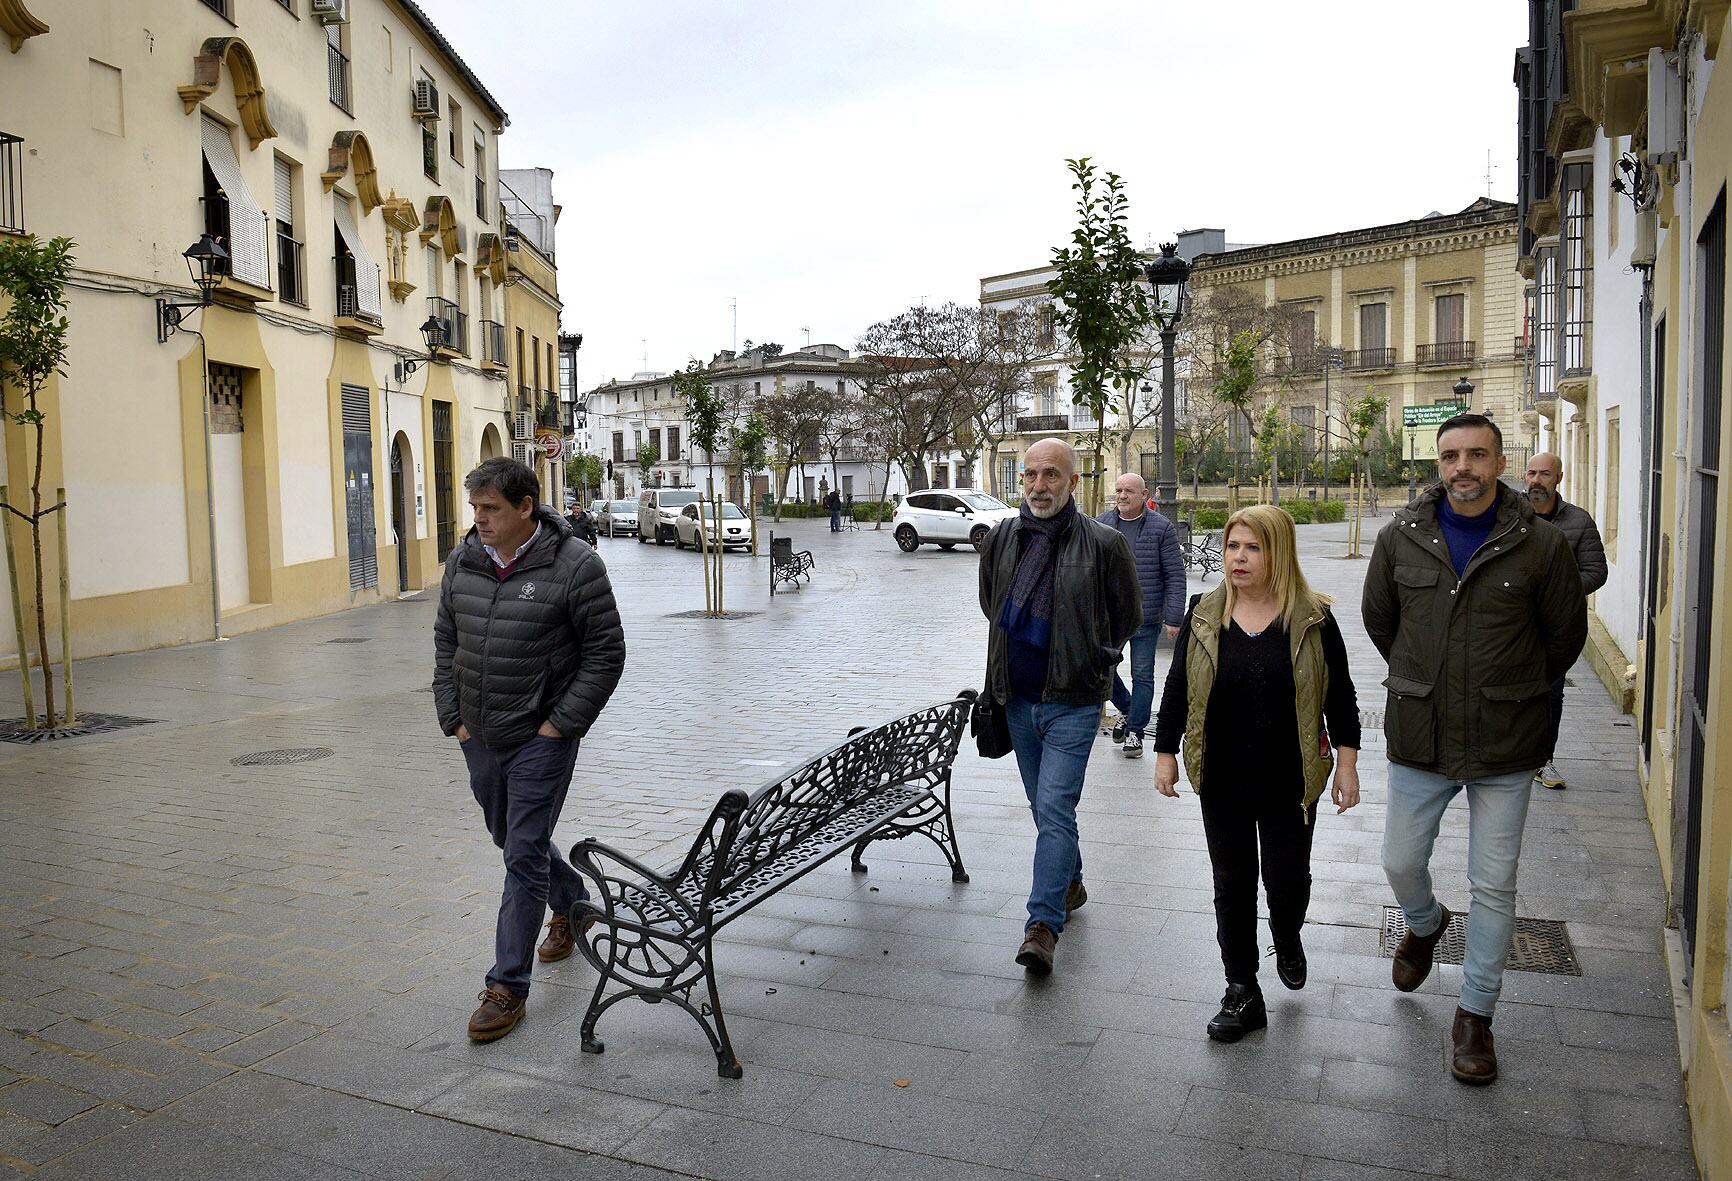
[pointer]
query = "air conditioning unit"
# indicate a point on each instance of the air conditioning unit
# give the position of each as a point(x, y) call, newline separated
point(1646, 247)
point(522, 426)
point(523, 453)
point(426, 101)
point(331, 12)
point(1665, 109)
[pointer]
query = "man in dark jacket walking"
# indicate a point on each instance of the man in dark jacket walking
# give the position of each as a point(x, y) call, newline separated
point(1161, 574)
point(527, 650)
point(1476, 604)
point(1060, 592)
point(1545, 473)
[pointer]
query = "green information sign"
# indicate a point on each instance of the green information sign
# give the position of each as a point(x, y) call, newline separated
point(1432, 415)
point(1421, 423)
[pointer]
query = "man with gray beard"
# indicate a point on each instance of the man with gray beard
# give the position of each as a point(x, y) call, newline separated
point(1060, 592)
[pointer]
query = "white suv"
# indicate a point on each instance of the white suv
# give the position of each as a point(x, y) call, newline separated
point(657, 511)
point(946, 516)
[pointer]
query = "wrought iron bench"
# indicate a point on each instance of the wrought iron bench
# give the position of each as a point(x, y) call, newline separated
point(786, 565)
point(649, 934)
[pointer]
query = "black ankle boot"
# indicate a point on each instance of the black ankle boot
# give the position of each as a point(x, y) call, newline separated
point(1241, 1012)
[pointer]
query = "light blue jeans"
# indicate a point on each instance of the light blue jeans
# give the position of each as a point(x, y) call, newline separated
point(1137, 702)
point(1052, 744)
point(1497, 809)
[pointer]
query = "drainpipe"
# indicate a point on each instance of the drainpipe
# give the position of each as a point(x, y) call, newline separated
point(216, 610)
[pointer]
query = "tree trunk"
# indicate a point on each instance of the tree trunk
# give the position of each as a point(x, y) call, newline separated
point(884, 494)
point(41, 611)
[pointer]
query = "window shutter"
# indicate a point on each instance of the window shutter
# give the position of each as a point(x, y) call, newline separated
point(366, 270)
point(285, 192)
point(249, 251)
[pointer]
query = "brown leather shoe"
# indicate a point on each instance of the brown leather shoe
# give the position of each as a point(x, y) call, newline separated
point(1475, 1060)
point(498, 1015)
point(1074, 898)
point(1413, 958)
point(558, 943)
point(1038, 945)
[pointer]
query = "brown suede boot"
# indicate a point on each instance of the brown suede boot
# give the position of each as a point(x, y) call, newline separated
point(1474, 1061)
point(1074, 897)
point(1038, 945)
point(558, 943)
point(1413, 958)
point(498, 1015)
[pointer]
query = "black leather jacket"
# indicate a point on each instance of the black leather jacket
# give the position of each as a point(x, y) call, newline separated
point(1096, 608)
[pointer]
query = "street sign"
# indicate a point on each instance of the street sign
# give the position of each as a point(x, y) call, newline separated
point(550, 442)
point(1432, 415)
point(1421, 423)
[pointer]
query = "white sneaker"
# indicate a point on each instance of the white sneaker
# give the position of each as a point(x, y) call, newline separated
point(1548, 776)
point(1133, 745)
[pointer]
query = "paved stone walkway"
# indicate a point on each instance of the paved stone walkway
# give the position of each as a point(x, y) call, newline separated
point(216, 971)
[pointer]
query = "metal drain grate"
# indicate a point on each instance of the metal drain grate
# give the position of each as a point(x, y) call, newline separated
point(16, 729)
point(707, 615)
point(1540, 945)
point(279, 758)
point(350, 640)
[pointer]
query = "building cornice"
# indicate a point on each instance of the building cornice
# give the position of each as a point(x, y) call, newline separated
point(1323, 260)
point(1423, 235)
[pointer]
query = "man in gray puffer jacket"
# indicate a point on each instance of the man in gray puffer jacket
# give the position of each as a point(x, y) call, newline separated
point(527, 650)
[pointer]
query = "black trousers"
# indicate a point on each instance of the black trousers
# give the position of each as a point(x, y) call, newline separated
point(1238, 818)
point(1557, 718)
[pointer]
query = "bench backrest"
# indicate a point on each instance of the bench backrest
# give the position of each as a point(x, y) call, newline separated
point(745, 836)
point(781, 548)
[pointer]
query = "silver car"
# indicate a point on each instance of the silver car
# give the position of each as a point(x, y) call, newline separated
point(615, 518)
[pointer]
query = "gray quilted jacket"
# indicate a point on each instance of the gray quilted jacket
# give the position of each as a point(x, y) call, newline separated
point(1574, 523)
point(543, 644)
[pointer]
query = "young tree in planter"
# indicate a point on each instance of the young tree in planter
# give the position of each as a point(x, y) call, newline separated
point(705, 410)
point(750, 445)
point(1104, 304)
point(32, 351)
point(647, 454)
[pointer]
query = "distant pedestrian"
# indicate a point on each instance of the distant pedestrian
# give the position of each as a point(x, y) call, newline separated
point(1254, 644)
point(1060, 593)
point(527, 650)
point(581, 523)
point(1161, 575)
point(1545, 475)
point(1476, 604)
point(833, 502)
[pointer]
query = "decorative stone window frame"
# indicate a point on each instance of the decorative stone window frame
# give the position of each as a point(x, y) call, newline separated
point(351, 153)
point(207, 69)
point(400, 220)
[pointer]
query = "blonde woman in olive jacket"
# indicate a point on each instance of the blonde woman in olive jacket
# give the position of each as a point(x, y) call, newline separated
point(1259, 692)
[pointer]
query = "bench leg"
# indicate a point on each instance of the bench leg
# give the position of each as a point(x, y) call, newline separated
point(727, 1065)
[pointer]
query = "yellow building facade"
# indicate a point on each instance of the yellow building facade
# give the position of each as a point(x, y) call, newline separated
point(532, 322)
point(1650, 79)
point(1404, 311)
point(297, 447)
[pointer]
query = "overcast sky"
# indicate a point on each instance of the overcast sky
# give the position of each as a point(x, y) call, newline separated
point(830, 164)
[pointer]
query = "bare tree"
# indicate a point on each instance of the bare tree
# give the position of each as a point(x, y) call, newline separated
point(1015, 339)
point(791, 419)
point(923, 368)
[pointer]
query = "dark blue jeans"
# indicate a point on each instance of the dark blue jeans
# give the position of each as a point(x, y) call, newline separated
point(835, 520)
point(1052, 744)
point(1138, 701)
point(521, 791)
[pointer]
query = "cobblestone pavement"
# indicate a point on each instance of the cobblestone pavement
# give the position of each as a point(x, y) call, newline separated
point(219, 971)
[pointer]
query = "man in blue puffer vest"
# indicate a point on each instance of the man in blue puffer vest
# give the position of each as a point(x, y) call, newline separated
point(1161, 576)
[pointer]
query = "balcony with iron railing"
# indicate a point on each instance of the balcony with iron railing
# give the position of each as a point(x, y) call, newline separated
point(246, 271)
point(522, 219)
point(492, 345)
point(11, 184)
point(337, 74)
point(549, 414)
point(1448, 352)
point(525, 400)
point(1035, 423)
point(291, 269)
point(1369, 359)
point(454, 327)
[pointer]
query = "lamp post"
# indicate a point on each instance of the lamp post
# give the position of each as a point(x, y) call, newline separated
point(433, 332)
point(206, 260)
point(1331, 360)
point(1412, 459)
point(1169, 275)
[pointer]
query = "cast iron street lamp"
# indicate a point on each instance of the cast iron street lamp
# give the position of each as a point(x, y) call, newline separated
point(1412, 459)
point(1168, 275)
point(1331, 360)
point(433, 332)
point(206, 260)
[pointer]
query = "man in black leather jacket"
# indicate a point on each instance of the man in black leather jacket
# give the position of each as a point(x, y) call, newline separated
point(527, 650)
point(1061, 593)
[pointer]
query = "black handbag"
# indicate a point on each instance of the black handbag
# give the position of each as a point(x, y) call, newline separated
point(991, 729)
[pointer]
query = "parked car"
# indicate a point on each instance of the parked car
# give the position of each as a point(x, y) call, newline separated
point(736, 530)
point(946, 516)
point(658, 509)
point(615, 517)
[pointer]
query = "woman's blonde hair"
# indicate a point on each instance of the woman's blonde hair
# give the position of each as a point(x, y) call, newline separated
point(1274, 531)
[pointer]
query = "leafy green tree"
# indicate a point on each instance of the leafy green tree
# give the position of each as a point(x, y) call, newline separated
point(751, 448)
point(584, 472)
point(33, 349)
point(1104, 306)
point(647, 454)
point(706, 412)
